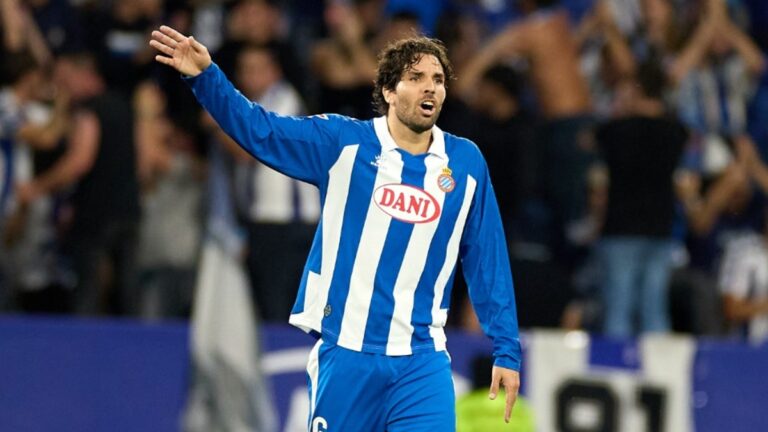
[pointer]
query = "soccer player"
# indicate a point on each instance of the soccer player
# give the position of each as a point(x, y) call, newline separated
point(401, 200)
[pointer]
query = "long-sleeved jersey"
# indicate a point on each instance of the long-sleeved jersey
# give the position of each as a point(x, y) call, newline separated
point(379, 273)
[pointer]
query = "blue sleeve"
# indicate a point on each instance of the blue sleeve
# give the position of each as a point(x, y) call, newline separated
point(300, 147)
point(485, 263)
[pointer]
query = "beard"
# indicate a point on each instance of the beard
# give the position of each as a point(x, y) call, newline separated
point(414, 120)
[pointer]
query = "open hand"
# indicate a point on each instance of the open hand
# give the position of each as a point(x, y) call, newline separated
point(180, 52)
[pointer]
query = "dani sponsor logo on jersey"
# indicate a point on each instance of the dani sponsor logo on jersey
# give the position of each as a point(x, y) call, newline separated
point(407, 203)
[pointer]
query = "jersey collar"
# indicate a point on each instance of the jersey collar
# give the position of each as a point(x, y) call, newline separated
point(437, 147)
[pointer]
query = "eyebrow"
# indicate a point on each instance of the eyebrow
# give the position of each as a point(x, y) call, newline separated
point(420, 74)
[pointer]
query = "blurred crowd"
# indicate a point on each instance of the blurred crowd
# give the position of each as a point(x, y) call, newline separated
point(625, 140)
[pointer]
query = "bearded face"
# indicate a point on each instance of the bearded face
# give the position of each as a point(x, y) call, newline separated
point(418, 97)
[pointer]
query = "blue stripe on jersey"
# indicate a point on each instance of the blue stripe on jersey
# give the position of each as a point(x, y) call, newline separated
point(378, 325)
point(315, 289)
point(425, 292)
point(312, 265)
point(446, 303)
point(361, 189)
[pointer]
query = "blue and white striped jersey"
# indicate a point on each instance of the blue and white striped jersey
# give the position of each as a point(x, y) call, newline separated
point(379, 273)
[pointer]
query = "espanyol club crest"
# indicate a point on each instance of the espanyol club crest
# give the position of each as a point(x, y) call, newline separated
point(445, 182)
point(406, 203)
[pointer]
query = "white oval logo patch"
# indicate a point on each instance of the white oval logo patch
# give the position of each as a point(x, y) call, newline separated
point(406, 203)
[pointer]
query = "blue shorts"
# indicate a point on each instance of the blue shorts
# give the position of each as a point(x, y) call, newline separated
point(352, 391)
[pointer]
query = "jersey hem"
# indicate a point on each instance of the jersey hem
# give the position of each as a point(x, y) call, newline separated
point(333, 339)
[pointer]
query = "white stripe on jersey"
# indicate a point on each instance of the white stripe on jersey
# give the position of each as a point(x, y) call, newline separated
point(414, 260)
point(316, 290)
point(367, 258)
point(313, 372)
point(439, 316)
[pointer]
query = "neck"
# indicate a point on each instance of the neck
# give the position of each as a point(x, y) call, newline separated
point(407, 139)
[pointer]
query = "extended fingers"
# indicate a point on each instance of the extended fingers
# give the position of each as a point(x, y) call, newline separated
point(164, 39)
point(163, 48)
point(197, 46)
point(511, 393)
point(164, 60)
point(495, 380)
point(171, 33)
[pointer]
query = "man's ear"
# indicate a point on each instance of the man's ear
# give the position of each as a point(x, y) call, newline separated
point(389, 95)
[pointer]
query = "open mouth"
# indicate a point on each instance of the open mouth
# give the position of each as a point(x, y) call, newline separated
point(427, 108)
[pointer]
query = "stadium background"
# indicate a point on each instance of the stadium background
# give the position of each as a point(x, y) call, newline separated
point(188, 364)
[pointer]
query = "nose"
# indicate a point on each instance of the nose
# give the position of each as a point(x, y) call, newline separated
point(429, 87)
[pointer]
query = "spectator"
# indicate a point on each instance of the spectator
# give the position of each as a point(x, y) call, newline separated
point(259, 22)
point(606, 56)
point(743, 276)
point(729, 207)
point(717, 73)
point(744, 286)
point(545, 40)
point(280, 213)
point(171, 225)
point(24, 125)
point(100, 165)
point(641, 150)
point(506, 134)
point(119, 36)
point(344, 63)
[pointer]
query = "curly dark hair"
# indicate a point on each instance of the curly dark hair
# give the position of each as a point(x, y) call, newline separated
point(398, 58)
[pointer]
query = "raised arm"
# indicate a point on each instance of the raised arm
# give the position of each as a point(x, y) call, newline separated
point(506, 44)
point(301, 147)
point(694, 51)
point(702, 212)
point(600, 22)
point(744, 47)
point(77, 161)
point(347, 34)
point(46, 136)
point(749, 157)
point(620, 53)
point(20, 32)
point(12, 25)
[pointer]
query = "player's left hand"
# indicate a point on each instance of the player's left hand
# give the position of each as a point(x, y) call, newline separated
point(511, 381)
